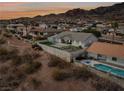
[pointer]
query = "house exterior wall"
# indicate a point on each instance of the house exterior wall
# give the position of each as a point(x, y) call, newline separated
point(119, 61)
point(85, 43)
point(67, 56)
point(57, 52)
point(77, 53)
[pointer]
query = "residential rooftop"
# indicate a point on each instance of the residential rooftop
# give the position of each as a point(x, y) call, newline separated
point(74, 36)
point(113, 50)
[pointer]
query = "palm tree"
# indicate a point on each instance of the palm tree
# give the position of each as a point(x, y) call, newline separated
point(114, 25)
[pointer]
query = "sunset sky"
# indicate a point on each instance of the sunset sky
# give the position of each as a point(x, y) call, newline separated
point(30, 9)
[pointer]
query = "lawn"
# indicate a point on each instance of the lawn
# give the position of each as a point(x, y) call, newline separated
point(46, 43)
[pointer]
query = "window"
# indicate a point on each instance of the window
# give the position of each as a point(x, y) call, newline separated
point(114, 59)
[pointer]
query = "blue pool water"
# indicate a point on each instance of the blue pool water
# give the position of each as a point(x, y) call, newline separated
point(112, 70)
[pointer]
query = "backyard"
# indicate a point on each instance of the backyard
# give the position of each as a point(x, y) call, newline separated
point(23, 68)
point(62, 46)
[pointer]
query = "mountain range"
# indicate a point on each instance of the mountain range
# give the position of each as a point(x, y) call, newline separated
point(114, 12)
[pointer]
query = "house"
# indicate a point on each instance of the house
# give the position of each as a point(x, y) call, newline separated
point(77, 29)
point(17, 28)
point(43, 26)
point(14, 26)
point(100, 27)
point(106, 52)
point(78, 39)
point(43, 32)
point(120, 30)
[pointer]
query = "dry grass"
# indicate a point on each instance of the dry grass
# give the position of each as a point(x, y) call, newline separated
point(57, 62)
point(104, 84)
point(60, 75)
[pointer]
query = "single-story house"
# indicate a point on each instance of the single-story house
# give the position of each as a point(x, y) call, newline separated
point(43, 26)
point(43, 32)
point(14, 26)
point(78, 39)
point(17, 28)
point(107, 52)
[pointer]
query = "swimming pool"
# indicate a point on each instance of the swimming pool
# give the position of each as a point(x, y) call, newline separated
point(112, 70)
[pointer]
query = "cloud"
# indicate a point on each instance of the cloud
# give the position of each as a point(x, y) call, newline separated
point(3, 4)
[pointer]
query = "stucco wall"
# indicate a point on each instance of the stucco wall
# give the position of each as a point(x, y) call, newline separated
point(57, 52)
point(67, 56)
point(120, 61)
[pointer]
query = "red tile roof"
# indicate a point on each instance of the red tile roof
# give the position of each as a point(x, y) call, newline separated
point(107, 49)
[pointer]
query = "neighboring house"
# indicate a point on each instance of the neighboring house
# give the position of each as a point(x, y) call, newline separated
point(14, 26)
point(43, 26)
point(120, 30)
point(78, 39)
point(43, 32)
point(100, 27)
point(106, 52)
point(77, 29)
point(17, 28)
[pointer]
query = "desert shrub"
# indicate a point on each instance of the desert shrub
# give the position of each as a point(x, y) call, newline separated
point(36, 47)
point(82, 73)
point(60, 75)
point(93, 31)
point(17, 61)
point(64, 64)
point(54, 61)
point(35, 55)
point(17, 71)
point(57, 62)
point(32, 67)
point(6, 54)
point(103, 84)
point(30, 55)
point(20, 59)
point(7, 34)
point(4, 69)
point(35, 82)
point(10, 77)
point(2, 40)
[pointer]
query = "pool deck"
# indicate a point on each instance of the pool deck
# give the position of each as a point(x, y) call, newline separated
point(108, 76)
point(99, 62)
point(117, 80)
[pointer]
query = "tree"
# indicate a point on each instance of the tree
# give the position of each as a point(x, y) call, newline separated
point(93, 31)
point(114, 25)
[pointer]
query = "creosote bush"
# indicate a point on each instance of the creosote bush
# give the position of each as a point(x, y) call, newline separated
point(2, 40)
point(35, 82)
point(82, 72)
point(104, 84)
point(7, 34)
point(57, 62)
point(4, 69)
point(6, 54)
point(60, 75)
point(32, 67)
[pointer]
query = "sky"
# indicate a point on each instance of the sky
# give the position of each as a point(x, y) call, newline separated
point(10, 10)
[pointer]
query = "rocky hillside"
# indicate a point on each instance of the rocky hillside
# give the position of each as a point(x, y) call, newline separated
point(114, 12)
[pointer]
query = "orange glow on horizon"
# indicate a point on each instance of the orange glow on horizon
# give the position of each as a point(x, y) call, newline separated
point(9, 10)
point(16, 14)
